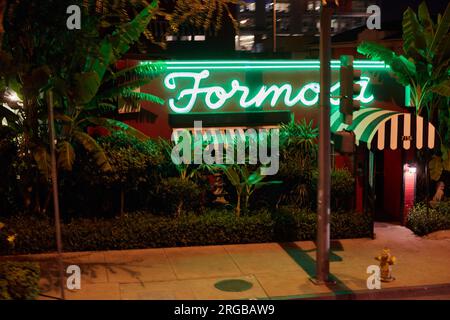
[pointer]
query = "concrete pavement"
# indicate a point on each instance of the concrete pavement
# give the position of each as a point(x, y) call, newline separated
point(276, 271)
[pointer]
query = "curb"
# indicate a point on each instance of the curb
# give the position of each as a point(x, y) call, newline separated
point(383, 294)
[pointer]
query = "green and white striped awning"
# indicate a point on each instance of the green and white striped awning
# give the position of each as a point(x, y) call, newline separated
point(380, 128)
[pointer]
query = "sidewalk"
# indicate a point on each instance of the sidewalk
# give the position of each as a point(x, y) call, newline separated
point(276, 271)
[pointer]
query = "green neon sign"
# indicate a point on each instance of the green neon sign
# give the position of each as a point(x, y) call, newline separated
point(215, 97)
point(266, 65)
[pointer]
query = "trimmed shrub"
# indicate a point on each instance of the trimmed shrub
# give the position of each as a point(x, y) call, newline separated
point(422, 223)
point(178, 195)
point(143, 230)
point(19, 280)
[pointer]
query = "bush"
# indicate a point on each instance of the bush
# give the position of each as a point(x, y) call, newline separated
point(19, 280)
point(143, 230)
point(422, 223)
point(10, 163)
point(178, 195)
point(444, 208)
point(133, 178)
point(7, 238)
point(342, 189)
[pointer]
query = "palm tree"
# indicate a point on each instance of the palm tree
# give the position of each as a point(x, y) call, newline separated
point(37, 53)
point(34, 61)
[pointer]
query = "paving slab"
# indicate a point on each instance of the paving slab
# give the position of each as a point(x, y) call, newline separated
point(156, 290)
point(137, 266)
point(266, 257)
point(201, 262)
point(97, 291)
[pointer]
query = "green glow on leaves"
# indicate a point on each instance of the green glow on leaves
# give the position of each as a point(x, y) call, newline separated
point(216, 97)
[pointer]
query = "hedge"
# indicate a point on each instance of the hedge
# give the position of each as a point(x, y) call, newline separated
point(19, 280)
point(143, 230)
point(423, 222)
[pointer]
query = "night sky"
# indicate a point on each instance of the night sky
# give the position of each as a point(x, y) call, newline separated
point(393, 9)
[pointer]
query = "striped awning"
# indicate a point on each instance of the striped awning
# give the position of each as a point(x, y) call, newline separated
point(380, 129)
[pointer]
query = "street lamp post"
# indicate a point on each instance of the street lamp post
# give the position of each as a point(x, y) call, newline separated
point(323, 190)
point(274, 26)
point(54, 175)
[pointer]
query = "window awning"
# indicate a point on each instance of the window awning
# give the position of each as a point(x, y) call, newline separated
point(380, 129)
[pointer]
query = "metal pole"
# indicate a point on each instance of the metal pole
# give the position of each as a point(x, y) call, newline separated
point(51, 126)
point(323, 192)
point(274, 26)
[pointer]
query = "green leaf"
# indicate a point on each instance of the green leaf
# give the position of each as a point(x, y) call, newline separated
point(436, 168)
point(8, 115)
point(404, 69)
point(255, 178)
point(42, 159)
point(114, 46)
point(141, 96)
point(441, 29)
point(427, 22)
point(147, 70)
point(63, 118)
point(118, 125)
point(37, 80)
point(442, 57)
point(442, 88)
point(267, 183)
point(446, 162)
point(66, 155)
point(86, 85)
point(93, 147)
point(414, 43)
point(231, 174)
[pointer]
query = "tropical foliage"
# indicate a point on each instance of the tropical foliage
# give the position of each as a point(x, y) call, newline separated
point(245, 182)
point(39, 54)
point(298, 160)
point(84, 83)
point(424, 66)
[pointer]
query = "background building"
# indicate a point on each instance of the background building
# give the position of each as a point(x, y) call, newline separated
point(296, 23)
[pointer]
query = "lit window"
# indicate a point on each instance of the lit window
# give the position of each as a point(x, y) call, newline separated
point(186, 38)
point(310, 6)
point(199, 38)
point(244, 43)
point(282, 7)
point(246, 23)
point(334, 25)
point(317, 6)
point(247, 7)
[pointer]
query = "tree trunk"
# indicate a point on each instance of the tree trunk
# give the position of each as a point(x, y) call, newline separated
point(238, 206)
point(179, 208)
point(122, 201)
point(2, 13)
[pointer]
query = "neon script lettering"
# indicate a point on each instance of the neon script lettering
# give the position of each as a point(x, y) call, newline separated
point(216, 97)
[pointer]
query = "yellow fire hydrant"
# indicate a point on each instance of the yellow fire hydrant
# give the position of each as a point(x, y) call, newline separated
point(386, 262)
